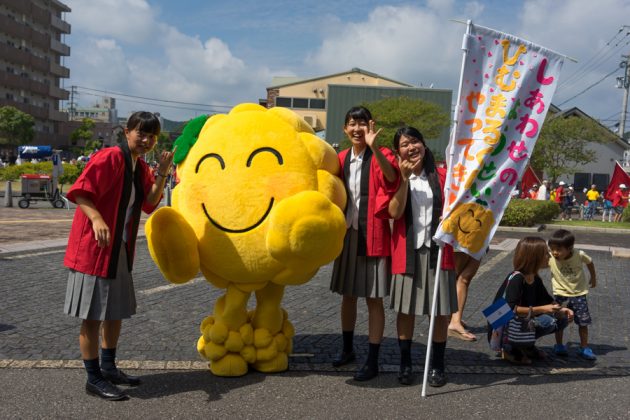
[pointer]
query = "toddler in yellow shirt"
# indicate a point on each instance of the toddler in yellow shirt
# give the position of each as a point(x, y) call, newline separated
point(570, 287)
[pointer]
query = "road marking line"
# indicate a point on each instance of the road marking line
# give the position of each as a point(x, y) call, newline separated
point(158, 289)
point(33, 254)
point(487, 266)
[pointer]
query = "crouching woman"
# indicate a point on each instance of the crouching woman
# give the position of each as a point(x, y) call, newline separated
point(527, 296)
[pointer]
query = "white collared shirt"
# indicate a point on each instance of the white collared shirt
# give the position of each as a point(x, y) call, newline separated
point(354, 187)
point(421, 209)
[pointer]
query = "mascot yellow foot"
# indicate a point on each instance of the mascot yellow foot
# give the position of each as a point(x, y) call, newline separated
point(259, 206)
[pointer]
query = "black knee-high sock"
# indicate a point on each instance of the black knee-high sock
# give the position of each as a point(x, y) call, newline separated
point(372, 359)
point(108, 359)
point(93, 370)
point(405, 352)
point(437, 355)
point(348, 341)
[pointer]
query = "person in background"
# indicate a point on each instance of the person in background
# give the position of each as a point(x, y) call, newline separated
point(620, 201)
point(592, 196)
point(363, 268)
point(533, 192)
point(570, 287)
point(110, 193)
point(559, 198)
point(543, 191)
point(567, 204)
point(608, 210)
point(416, 209)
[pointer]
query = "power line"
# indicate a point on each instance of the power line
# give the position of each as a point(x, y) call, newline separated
point(153, 99)
point(153, 104)
point(591, 86)
point(582, 68)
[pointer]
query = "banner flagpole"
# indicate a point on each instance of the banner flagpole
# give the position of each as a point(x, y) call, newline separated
point(446, 197)
point(436, 284)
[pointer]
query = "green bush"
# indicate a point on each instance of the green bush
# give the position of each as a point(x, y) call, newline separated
point(13, 172)
point(529, 212)
point(625, 216)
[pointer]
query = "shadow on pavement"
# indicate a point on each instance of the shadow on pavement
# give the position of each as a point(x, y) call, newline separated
point(177, 382)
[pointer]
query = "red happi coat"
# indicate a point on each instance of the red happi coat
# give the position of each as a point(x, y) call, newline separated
point(107, 180)
point(403, 242)
point(376, 191)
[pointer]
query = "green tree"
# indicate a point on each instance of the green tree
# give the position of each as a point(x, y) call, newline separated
point(164, 142)
point(83, 133)
point(91, 146)
point(16, 127)
point(392, 113)
point(562, 145)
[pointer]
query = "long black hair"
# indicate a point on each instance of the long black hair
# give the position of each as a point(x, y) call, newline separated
point(144, 121)
point(358, 113)
point(428, 160)
point(428, 165)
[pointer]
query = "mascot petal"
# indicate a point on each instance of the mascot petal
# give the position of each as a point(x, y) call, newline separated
point(258, 206)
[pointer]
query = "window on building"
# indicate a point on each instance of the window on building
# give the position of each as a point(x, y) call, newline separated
point(317, 103)
point(9, 96)
point(601, 180)
point(25, 100)
point(581, 180)
point(282, 101)
point(300, 103)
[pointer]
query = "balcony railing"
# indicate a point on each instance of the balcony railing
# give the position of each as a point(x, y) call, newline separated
point(58, 47)
point(61, 25)
point(58, 93)
point(59, 71)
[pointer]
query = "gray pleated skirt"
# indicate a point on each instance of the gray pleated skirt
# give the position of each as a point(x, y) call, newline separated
point(360, 276)
point(98, 298)
point(413, 295)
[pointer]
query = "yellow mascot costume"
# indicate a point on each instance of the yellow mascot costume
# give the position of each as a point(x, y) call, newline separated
point(258, 207)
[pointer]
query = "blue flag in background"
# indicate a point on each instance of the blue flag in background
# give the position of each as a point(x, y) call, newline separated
point(499, 313)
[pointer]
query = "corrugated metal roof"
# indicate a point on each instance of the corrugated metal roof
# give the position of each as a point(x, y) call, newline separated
point(276, 82)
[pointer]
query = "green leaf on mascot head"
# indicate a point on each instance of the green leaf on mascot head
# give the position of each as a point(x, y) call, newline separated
point(188, 138)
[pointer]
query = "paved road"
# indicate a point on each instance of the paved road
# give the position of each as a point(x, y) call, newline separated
point(38, 346)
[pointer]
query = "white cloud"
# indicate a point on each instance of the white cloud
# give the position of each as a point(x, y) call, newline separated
point(132, 21)
point(414, 45)
point(176, 66)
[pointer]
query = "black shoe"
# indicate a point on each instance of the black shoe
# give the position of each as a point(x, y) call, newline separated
point(405, 375)
point(343, 358)
point(437, 378)
point(105, 390)
point(366, 373)
point(118, 377)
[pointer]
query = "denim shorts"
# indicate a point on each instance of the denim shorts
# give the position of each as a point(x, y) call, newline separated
point(579, 306)
point(619, 209)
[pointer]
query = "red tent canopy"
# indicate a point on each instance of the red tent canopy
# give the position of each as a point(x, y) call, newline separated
point(619, 176)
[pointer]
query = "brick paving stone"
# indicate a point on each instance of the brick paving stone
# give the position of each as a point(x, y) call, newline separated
point(34, 330)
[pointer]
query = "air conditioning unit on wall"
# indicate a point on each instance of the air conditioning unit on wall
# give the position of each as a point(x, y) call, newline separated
point(311, 120)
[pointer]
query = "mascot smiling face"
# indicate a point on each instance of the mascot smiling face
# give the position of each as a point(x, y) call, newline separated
point(258, 207)
point(241, 167)
point(470, 225)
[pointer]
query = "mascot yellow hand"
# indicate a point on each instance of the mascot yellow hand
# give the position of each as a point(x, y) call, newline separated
point(258, 207)
point(173, 245)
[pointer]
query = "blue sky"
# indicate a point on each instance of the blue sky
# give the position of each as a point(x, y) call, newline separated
point(222, 53)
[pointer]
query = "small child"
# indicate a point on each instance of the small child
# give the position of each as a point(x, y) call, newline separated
point(608, 211)
point(570, 287)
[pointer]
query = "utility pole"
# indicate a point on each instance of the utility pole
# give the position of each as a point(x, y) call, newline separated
point(624, 83)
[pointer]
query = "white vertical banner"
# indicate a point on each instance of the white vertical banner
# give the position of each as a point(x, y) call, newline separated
point(506, 90)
